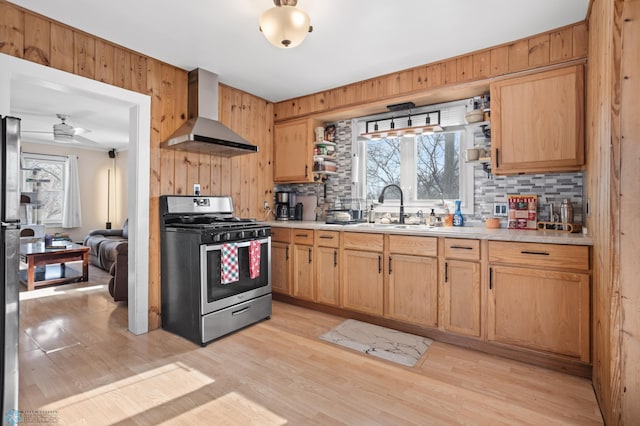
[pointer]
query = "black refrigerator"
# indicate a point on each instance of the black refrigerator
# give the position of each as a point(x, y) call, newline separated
point(9, 259)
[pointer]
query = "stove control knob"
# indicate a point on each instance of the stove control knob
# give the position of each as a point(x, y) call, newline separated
point(241, 235)
point(215, 237)
point(225, 237)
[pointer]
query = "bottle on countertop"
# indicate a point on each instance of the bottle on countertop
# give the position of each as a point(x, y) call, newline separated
point(566, 213)
point(458, 219)
point(372, 215)
point(432, 218)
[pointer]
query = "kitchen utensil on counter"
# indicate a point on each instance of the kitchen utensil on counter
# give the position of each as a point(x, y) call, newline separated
point(298, 212)
point(282, 197)
point(282, 211)
point(492, 223)
point(566, 213)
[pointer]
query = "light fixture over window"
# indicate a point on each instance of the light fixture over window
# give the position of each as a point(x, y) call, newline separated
point(284, 25)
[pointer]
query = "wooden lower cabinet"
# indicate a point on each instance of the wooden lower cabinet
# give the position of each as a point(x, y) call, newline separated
point(413, 289)
point(362, 281)
point(327, 276)
point(303, 282)
point(540, 309)
point(280, 272)
point(462, 297)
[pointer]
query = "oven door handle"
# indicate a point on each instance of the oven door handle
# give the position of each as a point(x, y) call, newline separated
point(242, 244)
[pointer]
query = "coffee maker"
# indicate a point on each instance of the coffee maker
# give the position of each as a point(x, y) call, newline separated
point(282, 205)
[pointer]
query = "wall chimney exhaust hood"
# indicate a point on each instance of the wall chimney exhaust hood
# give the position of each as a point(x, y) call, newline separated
point(202, 133)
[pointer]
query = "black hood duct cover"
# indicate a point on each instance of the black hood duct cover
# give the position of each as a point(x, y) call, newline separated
point(202, 133)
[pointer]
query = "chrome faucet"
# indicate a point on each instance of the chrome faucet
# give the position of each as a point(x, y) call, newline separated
point(381, 199)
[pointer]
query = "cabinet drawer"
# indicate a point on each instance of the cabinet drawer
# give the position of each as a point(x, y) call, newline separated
point(420, 246)
point(328, 239)
point(303, 236)
point(456, 248)
point(281, 235)
point(540, 255)
point(360, 241)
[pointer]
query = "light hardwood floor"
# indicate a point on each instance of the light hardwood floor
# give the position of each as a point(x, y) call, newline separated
point(78, 360)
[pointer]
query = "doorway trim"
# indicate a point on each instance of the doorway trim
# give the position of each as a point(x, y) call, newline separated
point(12, 68)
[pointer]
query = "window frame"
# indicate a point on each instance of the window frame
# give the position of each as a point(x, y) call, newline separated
point(51, 158)
point(412, 205)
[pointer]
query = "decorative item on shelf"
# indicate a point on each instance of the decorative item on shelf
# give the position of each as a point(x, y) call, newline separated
point(330, 133)
point(284, 25)
point(522, 211)
point(474, 116)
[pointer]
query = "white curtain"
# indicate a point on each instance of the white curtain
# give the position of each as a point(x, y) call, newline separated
point(71, 211)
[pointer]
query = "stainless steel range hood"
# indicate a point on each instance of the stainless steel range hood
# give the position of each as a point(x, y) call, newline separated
point(202, 133)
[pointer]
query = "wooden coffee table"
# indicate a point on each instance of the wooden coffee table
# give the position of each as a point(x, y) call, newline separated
point(46, 265)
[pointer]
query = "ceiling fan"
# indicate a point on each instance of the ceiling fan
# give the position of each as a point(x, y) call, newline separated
point(65, 133)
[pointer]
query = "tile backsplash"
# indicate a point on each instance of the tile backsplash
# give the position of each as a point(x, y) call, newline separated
point(488, 189)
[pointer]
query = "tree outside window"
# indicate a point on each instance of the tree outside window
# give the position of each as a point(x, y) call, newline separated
point(427, 167)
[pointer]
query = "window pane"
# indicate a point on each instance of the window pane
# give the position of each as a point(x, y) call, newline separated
point(45, 179)
point(383, 166)
point(438, 166)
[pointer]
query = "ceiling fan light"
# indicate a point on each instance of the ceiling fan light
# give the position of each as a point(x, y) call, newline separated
point(285, 26)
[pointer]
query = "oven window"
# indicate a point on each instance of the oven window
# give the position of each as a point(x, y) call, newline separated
point(215, 290)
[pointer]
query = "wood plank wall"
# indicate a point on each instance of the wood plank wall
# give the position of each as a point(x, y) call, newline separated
point(249, 178)
point(630, 212)
point(553, 47)
point(613, 164)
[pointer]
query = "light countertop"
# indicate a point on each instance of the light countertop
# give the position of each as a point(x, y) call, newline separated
point(473, 232)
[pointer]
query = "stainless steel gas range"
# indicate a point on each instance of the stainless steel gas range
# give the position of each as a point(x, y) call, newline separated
point(215, 268)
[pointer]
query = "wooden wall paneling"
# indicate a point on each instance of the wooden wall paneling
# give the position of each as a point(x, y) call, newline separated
point(580, 40)
point(518, 55)
point(481, 65)
point(105, 62)
point(265, 162)
point(561, 45)
point(230, 114)
point(121, 67)
point(204, 174)
point(420, 77)
point(629, 208)
point(449, 72)
point(84, 57)
point(600, 222)
point(434, 75)
point(138, 72)
point(404, 81)
point(216, 175)
point(11, 30)
point(536, 51)
point(539, 50)
point(37, 39)
point(318, 102)
point(161, 182)
point(369, 90)
point(500, 60)
point(62, 48)
point(464, 68)
point(303, 105)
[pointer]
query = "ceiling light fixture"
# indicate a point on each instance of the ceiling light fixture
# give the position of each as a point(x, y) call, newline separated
point(284, 25)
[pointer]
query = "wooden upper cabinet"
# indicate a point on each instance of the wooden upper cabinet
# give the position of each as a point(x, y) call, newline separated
point(293, 151)
point(537, 122)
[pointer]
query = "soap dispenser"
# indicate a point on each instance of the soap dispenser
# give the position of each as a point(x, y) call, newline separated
point(432, 218)
point(458, 219)
point(372, 215)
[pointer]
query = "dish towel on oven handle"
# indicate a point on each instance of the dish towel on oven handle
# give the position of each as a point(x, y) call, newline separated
point(229, 269)
point(254, 259)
